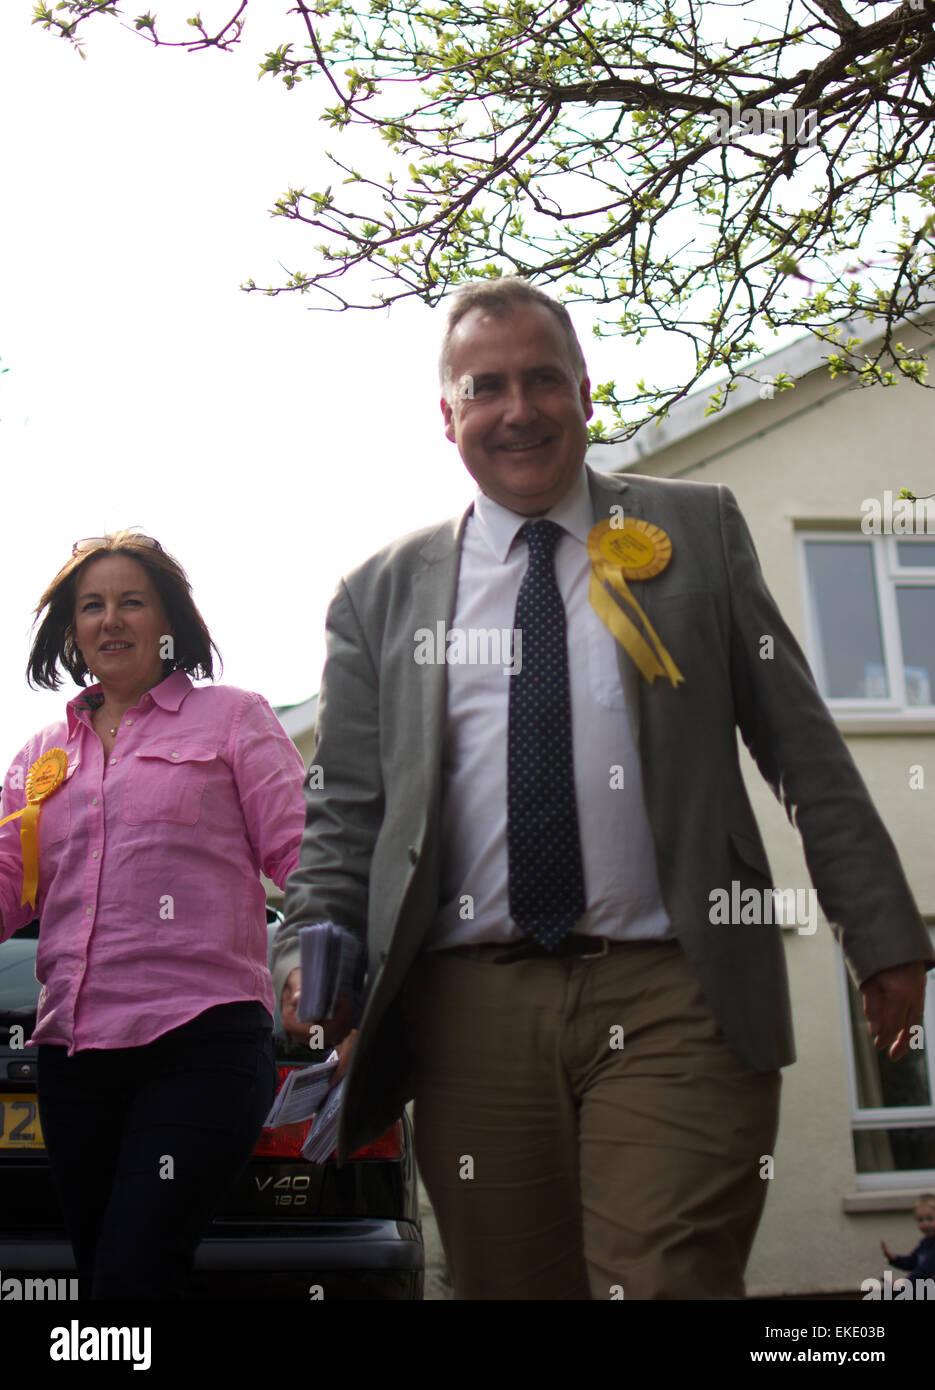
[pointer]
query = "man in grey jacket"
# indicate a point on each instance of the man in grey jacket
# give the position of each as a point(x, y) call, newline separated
point(529, 796)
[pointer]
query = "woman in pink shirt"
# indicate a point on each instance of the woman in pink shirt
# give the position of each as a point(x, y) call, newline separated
point(154, 1022)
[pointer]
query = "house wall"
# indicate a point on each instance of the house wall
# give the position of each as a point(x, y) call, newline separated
point(817, 452)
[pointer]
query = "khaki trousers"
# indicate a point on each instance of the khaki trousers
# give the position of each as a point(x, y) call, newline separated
point(583, 1128)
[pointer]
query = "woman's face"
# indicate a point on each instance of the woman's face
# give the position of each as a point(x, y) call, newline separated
point(120, 625)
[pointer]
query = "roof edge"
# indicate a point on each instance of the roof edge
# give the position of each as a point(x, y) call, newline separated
point(797, 360)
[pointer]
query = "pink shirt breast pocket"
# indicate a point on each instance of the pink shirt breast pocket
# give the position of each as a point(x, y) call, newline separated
point(166, 782)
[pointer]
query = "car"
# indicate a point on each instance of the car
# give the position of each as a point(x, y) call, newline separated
point(286, 1229)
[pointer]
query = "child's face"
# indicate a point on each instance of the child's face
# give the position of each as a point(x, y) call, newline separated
point(925, 1216)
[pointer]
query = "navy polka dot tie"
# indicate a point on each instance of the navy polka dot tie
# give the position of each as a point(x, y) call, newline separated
point(543, 844)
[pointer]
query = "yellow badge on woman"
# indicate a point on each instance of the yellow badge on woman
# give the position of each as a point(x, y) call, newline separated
point(44, 777)
point(624, 549)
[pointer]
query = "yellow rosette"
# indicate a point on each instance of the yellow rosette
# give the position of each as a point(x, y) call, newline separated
point(44, 777)
point(622, 550)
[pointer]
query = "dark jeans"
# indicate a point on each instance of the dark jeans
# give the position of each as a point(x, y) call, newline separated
point(145, 1141)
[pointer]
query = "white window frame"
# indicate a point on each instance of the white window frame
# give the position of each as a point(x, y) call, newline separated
point(890, 1117)
point(887, 574)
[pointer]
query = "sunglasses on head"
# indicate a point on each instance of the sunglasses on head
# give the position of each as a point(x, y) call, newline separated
point(96, 542)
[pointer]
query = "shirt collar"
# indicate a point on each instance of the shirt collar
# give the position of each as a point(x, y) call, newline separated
point(499, 527)
point(168, 695)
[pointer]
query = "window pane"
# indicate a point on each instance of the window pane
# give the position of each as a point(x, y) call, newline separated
point(880, 1082)
point(894, 1150)
point(913, 554)
point(916, 608)
point(844, 595)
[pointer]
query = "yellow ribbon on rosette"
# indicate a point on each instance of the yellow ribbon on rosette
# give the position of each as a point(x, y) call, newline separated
point(44, 777)
point(623, 549)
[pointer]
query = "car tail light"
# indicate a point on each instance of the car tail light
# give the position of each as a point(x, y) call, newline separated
point(287, 1140)
point(389, 1145)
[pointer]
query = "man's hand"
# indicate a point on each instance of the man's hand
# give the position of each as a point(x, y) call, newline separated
point(345, 1049)
point(334, 1030)
point(893, 1002)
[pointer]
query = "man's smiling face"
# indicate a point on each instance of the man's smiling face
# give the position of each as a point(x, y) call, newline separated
point(518, 410)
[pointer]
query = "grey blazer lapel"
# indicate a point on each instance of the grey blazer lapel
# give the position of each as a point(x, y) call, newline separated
point(606, 492)
point(434, 590)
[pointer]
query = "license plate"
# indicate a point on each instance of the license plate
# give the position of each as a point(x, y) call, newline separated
point(19, 1122)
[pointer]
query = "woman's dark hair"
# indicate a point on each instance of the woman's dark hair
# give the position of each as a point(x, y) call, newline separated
point(54, 644)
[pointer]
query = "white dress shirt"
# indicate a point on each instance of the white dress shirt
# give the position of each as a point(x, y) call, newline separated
point(620, 877)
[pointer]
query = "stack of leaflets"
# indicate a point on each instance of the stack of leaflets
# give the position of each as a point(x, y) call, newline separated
point(323, 1136)
point(329, 961)
point(302, 1093)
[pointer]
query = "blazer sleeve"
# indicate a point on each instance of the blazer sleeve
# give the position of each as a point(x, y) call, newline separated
point(801, 753)
point(344, 797)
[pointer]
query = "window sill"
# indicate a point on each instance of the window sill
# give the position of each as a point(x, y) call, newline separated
point(881, 1199)
point(873, 724)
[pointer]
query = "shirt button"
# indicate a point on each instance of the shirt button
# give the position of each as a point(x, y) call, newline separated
point(128, 721)
point(175, 755)
point(88, 911)
point(113, 760)
point(95, 853)
point(94, 801)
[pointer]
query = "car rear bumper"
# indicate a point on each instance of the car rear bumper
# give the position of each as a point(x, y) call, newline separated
point(46, 1255)
point(331, 1245)
point(331, 1260)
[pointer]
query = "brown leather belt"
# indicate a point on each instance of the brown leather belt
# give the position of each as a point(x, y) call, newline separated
point(574, 944)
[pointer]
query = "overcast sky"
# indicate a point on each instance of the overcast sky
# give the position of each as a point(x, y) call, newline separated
point(268, 447)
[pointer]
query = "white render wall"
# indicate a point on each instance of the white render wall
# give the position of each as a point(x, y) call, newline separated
point(817, 452)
